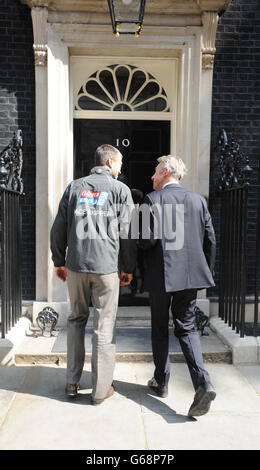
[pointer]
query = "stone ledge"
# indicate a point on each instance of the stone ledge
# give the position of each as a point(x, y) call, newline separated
point(249, 309)
point(175, 357)
point(244, 350)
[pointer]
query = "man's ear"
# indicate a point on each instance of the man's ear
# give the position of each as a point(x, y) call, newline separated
point(109, 162)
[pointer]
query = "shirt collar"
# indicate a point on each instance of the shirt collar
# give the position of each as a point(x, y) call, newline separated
point(170, 182)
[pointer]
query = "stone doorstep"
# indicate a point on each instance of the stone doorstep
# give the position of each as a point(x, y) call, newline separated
point(39, 350)
point(241, 350)
point(12, 350)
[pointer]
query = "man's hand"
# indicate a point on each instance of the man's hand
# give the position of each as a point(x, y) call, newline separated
point(125, 278)
point(61, 273)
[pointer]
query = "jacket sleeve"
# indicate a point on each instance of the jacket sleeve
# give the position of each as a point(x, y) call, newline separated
point(128, 247)
point(58, 234)
point(147, 221)
point(128, 255)
point(209, 243)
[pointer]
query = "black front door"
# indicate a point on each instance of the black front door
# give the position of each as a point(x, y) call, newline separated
point(141, 143)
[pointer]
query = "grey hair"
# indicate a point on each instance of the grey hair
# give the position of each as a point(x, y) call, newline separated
point(104, 152)
point(175, 165)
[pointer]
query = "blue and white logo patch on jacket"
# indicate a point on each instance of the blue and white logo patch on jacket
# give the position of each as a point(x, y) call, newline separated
point(93, 198)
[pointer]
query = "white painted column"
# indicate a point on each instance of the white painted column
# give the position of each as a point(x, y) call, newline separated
point(60, 145)
point(210, 21)
point(205, 132)
point(54, 157)
point(188, 125)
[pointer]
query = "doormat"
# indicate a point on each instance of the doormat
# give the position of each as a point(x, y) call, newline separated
point(127, 340)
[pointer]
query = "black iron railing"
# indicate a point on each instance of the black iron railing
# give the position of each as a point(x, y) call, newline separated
point(239, 236)
point(11, 192)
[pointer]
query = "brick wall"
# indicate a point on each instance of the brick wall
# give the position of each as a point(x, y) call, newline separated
point(17, 111)
point(236, 95)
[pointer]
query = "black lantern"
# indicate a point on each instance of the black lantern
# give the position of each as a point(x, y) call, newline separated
point(126, 16)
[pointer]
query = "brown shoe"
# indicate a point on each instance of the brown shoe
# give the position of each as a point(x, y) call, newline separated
point(72, 390)
point(98, 401)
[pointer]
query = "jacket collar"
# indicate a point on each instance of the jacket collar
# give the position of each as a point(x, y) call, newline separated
point(101, 170)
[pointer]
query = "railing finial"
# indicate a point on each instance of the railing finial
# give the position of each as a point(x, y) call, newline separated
point(230, 160)
point(11, 162)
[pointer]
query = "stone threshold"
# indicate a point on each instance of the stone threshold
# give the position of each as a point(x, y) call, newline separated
point(26, 345)
point(133, 345)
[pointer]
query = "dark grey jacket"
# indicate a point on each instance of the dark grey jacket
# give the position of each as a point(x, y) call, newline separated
point(191, 264)
point(86, 226)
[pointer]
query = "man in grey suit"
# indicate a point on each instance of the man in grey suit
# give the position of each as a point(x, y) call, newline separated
point(180, 257)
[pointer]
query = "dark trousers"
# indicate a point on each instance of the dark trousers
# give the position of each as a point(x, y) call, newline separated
point(182, 305)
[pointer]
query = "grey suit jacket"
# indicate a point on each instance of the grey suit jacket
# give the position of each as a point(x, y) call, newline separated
point(184, 259)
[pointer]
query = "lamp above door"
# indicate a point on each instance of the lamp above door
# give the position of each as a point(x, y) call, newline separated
point(126, 16)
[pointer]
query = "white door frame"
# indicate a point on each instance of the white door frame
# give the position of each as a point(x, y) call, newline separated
point(163, 70)
point(54, 127)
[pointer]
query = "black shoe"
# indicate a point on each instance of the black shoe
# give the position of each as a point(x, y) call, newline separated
point(202, 400)
point(72, 390)
point(160, 390)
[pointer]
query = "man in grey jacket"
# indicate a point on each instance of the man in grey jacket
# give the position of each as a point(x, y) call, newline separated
point(180, 257)
point(90, 247)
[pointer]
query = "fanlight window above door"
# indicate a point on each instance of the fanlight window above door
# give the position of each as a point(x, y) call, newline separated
point(122, 88)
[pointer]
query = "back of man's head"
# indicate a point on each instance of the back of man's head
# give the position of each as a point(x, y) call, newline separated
point(104, 152)
point(175, 165)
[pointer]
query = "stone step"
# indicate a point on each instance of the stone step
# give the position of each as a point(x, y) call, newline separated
point(133, 343)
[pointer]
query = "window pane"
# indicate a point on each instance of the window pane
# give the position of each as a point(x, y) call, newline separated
point(123, 88)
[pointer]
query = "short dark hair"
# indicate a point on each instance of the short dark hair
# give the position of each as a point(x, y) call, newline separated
point(104, 152)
